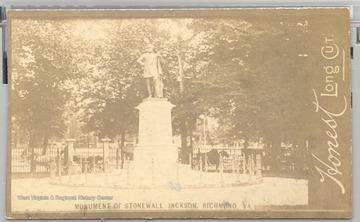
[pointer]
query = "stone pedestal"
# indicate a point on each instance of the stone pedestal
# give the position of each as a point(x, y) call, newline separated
point(106, 142)
point(71, 149)
point(155, 155)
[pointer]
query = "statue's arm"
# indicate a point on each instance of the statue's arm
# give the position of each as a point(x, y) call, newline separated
point(161, 59)
point(140, 60)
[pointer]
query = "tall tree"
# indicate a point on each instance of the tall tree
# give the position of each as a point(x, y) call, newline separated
point(40, 71)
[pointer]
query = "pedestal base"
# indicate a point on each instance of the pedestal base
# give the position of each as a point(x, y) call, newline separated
point(155, 156)
point(154, 165)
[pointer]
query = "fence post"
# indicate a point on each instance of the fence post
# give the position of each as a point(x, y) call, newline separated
point(52, 169)
point(94, 165)
point(57, 159)
point(244, 164)
point(33, 162)
point(238, 172)
point(59, 169)
point(250, 167)
point(106, 166)
point(81, 164)
point(253, 164)
point(233, 169)
point(71, 150)
point(70, 171)
point(86, 163)
point(117, 158)
point(258, 166)
point(190, 160)
point(221, 170)
point(106, 142)
point(206, 162)
point(233, 165)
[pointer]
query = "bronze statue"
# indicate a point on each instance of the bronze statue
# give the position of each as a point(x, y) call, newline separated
point(151, 61)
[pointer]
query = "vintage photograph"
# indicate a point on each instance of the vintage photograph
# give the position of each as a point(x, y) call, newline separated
point(175, 113)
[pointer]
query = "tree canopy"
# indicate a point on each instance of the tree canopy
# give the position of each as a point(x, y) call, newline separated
point(242, 73)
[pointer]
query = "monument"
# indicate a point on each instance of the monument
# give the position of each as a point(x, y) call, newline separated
point(151, 62)
point(155, 163)
point(155, 156)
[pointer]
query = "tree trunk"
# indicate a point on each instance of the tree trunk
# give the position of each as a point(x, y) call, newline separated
point(276, 154)
point(246, 145)
point(190, 148)
point(191, 138)
point(181, 74)
point(183, 133)
point(122, 153)
point(184, 153)
point(32, 153)
point(45, 144)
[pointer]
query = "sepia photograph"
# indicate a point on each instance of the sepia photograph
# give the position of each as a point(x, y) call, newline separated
point(179, 113)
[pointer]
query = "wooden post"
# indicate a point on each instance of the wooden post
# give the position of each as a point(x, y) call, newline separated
point(190, 160)
point(94, 165)
point(70, 171)
point(233, 165)
point(249, 164)
point(238, 172)
point(106, 165)
point(71, 149)
point(59, 169)
point(86, 163)
point(252, 164)
point(233, 170)
point(250, 167)
point(258, 166)
point(117, 158)
point(206, 162)
point(52, 169)
point(106, 142)
point(221, 171)
point(244, 164)
point(81, 164)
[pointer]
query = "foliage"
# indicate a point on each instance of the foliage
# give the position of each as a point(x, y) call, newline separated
point(40, 73)
point(233, 74)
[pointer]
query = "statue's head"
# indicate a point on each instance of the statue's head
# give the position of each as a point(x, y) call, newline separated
point(150, 48)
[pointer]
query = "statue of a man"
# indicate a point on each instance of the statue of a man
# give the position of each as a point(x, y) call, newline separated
point(151, 61)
